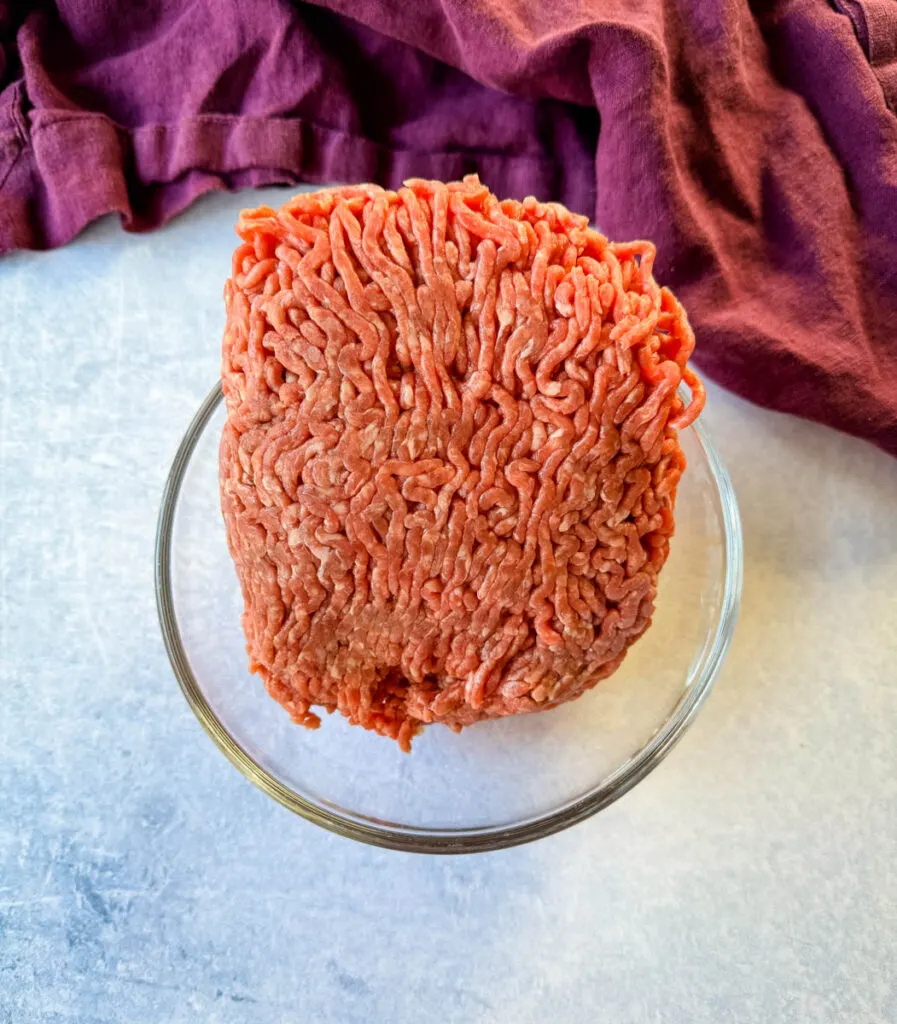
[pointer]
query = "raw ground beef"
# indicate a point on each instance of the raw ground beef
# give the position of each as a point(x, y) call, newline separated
point(450, 459)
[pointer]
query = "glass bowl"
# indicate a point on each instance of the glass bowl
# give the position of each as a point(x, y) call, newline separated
point(496, 784)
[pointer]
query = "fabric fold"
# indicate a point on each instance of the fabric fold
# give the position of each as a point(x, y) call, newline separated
point(711, 128)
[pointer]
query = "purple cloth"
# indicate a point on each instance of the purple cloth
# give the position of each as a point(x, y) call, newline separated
point(756, 145)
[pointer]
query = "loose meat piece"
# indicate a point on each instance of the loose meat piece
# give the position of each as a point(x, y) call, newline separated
point(450, 459)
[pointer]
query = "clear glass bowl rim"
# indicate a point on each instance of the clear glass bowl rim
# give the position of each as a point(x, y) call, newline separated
point(447, 840)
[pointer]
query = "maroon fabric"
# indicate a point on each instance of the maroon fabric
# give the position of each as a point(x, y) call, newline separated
point(756, 145)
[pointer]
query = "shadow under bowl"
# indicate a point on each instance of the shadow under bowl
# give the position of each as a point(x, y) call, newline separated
point(498, 783)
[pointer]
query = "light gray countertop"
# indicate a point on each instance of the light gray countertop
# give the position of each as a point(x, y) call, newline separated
point(751, 878)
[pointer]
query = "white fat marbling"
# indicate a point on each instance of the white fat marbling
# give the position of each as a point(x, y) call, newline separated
point(750, 879)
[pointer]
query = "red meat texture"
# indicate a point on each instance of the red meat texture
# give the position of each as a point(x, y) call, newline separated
point(451, 453)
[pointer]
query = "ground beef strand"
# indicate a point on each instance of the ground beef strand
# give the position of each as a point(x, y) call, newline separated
point(451, 452)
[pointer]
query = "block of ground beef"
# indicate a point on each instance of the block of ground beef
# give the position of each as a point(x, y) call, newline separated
point(451, 453)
